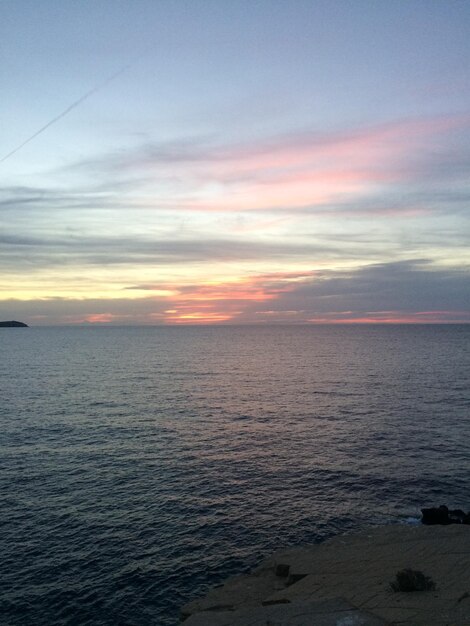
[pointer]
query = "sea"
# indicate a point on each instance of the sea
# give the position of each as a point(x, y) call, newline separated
point(142, 466)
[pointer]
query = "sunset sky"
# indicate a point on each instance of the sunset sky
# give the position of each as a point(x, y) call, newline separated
point(232, 161)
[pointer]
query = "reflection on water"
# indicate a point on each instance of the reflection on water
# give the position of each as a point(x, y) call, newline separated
point(141, 465)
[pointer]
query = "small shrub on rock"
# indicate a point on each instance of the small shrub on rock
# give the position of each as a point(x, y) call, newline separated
point(412, 580)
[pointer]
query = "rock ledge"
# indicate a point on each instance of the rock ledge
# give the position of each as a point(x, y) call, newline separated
point(346, 581)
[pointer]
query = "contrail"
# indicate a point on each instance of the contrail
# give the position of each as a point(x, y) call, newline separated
point(69, 108)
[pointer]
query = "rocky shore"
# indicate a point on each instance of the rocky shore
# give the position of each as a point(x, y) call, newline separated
point(407, 575)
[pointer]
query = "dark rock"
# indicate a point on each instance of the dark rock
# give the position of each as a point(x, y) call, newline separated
point(457, 516)
point(271, 602)
point(294, 578)
point(436, 515)
point(282, 570)
point(442, 515)
point(221, 607)
point(412, 580)
point(13, 324)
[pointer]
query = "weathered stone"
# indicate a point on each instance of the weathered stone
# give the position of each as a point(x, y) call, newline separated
point(282, 570)
point(443, 516)
point(294, 578)
point(358, 569)
point(335, 612)
point(436, 515)
point(280, 601)
point(457, 516)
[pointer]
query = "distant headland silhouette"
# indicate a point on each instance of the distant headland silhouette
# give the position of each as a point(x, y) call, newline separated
point(13, 324)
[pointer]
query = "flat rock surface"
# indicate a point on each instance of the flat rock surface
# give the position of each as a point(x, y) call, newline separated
point(335, 612)
point(346, 581)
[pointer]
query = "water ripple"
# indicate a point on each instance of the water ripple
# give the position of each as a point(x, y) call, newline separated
point(141, 466)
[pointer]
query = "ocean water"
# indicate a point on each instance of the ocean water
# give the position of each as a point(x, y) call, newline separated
point(140, 466)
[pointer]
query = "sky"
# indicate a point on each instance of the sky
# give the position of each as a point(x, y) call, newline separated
point(234, 161)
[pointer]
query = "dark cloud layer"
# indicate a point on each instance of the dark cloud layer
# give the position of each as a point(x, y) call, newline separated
point(18, 251)
point(413, 289)
point(408, 286)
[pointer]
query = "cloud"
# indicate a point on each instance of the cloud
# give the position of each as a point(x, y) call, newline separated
point(47, 201)
point(284, 149)
point(156, 217)
point(406, 288)
point(406, 168)
point(293, 171)
point(17, 251)
point(409, 291)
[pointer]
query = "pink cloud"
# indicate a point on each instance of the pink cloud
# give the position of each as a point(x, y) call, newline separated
point(100, 318)
point(302, 169)
point(224, 301)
